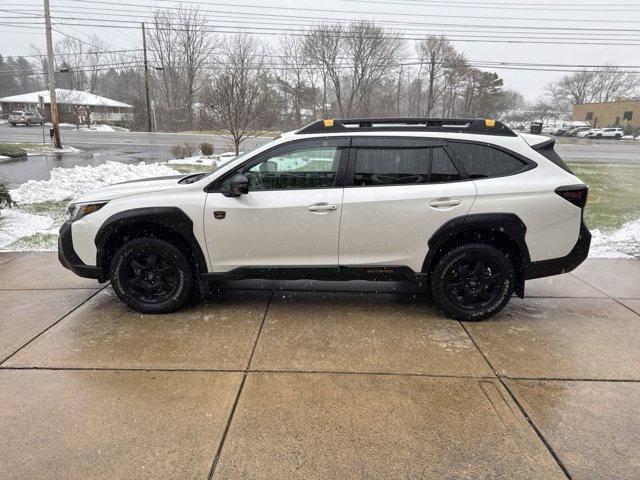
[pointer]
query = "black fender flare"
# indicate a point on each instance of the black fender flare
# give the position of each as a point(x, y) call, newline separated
point(173, 219)
point(508, 224)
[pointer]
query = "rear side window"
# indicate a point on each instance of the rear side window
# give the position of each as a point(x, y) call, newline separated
point(406, 165)
point(483, 161)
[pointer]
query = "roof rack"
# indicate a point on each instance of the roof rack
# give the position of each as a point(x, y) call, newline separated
point(477, 126)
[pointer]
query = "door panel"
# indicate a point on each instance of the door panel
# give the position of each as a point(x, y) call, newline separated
point(291, 215)
point(391, 224)
point(274, 228)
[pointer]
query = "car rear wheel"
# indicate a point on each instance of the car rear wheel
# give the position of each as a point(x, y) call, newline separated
point(13, 124)
point(151, 275)
point(28, 124)
point(472, 282)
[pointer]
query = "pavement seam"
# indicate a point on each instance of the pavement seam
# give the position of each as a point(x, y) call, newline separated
point(592, 286)
point(625, 306)
point(231, 370)
point(212, 471)
point(529, 420)
point(21, 254)
point(51, 326)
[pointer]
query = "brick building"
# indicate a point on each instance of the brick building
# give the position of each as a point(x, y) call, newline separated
point(70, 102)
point(622, 113)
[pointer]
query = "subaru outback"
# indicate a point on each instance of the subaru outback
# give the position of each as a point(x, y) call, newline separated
point(464, 205)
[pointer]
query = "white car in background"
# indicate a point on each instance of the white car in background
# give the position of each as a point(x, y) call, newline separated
point(594, 133)
point(583, 134)
point(613, 133)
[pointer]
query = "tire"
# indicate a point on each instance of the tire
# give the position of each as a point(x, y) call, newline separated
point(151, 275)
point(28, 124)
point(618, 136)
point(13, 124)
point(598, 137)
point(472, 282)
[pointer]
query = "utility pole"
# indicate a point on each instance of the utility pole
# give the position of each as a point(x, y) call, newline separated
point(52, 79)
point(146, 77)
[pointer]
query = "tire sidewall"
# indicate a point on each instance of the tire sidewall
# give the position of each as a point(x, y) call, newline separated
point(471, 251)
point(164, 250)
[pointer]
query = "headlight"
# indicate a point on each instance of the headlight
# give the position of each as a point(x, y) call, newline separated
point(78, 210)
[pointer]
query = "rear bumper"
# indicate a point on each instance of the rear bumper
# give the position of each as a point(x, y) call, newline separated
point(556, 266)
point(70, 259)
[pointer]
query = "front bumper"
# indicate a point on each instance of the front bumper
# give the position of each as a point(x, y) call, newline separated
point(70, 259)
point(556, 266)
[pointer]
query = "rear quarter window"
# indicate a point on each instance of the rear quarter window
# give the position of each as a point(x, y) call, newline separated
point(483, 161)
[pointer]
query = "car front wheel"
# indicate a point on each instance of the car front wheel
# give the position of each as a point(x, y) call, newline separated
point(151, 275)
point(472, 282)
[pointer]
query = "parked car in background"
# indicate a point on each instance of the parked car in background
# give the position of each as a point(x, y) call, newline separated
point(576, 130)
point(594, 133)
point(26, 118)
point(613, 133)
point(583, 133)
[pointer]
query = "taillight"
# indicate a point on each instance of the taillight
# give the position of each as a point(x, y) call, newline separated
point(576, 194)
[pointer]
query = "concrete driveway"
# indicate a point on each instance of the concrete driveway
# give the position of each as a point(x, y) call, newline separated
point(318, 380)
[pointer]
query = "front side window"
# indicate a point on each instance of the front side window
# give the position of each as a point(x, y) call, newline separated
point(310, 167)
point(483, 161)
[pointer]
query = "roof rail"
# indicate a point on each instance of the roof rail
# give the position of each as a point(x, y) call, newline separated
point(477, 126)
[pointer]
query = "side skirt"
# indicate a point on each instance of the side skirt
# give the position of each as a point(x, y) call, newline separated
point(368, 272)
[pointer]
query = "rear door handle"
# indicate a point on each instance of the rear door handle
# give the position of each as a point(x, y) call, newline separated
point(322, 207)
point(446, 203)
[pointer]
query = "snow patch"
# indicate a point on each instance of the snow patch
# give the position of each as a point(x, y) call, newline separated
point(69, 183)
point(199, 160)
point(623, 243)
point(98, 128)
point(15, 224)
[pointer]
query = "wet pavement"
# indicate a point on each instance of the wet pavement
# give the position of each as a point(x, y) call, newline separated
point(319, 380)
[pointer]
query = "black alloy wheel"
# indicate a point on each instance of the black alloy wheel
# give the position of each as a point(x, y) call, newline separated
point(151, 275)
point(152, 278)
point(472, 282)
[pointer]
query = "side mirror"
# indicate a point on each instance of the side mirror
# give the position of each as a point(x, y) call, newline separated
point(239, 186)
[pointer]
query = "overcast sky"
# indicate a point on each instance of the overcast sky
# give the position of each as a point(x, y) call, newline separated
point(569, 25)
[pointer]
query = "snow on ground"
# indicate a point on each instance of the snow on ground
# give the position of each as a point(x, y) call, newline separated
point(623, 243)
point(199, 160)
point(15, 224)
point(211, 161)
point(69, 183)
point(98, 128)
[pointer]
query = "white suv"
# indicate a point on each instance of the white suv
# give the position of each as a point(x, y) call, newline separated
point(467, 205)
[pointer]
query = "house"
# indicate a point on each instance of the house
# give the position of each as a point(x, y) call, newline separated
point(622, 113)
point(72, 104)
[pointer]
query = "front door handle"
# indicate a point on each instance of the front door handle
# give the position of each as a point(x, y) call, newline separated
point(448, 202)
point(322, 207)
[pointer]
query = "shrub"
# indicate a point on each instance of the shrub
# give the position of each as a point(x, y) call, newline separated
point(5, 197)
point(206, 149)
point(182, 150)
point(11, 151)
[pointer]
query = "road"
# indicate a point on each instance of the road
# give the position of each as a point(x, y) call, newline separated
point(134, 147)
point(99, 147)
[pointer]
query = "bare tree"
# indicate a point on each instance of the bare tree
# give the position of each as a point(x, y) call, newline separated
point(355, 59)
point(237, 96)
point(434, 52)
point(292, 75)
point(181, 43)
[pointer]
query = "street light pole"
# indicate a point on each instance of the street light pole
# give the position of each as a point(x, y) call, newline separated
point(52, 80)
point(146, 77)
